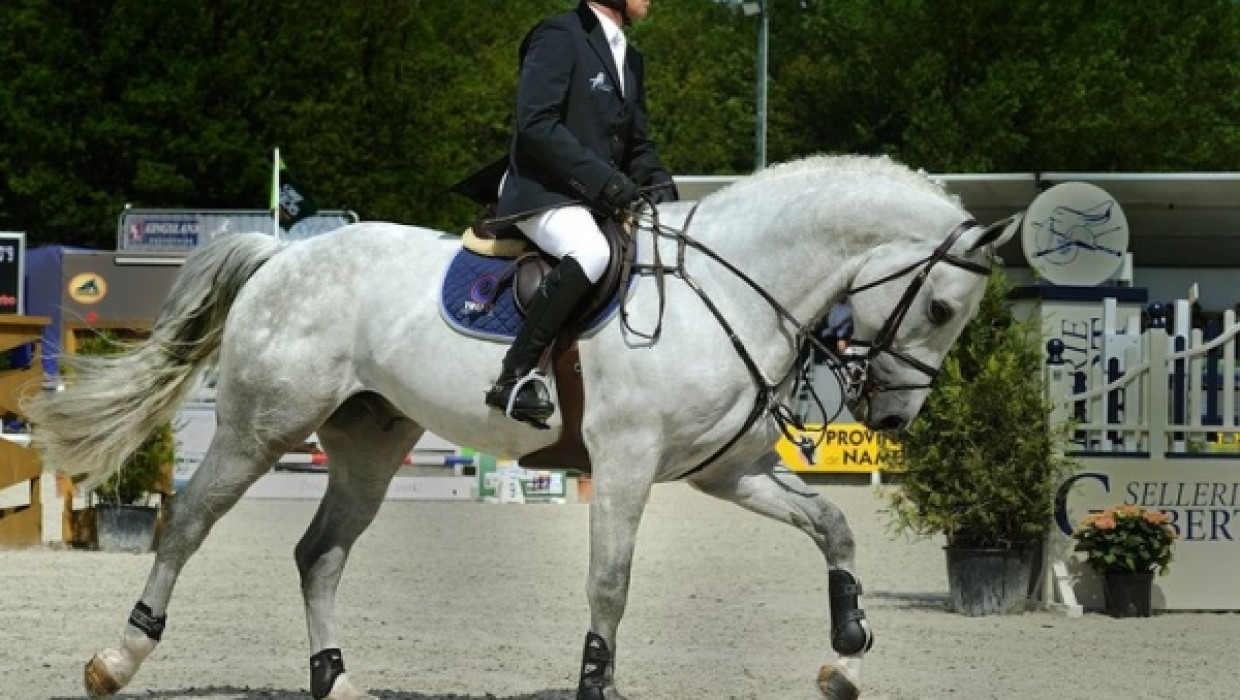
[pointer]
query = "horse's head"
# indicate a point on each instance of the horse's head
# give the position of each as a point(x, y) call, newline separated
point(909, 305)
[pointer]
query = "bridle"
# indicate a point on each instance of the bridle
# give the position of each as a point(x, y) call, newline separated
point(854, 366)
point(856, 378)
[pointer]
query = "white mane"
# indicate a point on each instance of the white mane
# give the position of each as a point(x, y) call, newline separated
point(866, 166)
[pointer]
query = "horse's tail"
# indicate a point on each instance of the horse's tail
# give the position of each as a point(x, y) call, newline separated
point(111, 403)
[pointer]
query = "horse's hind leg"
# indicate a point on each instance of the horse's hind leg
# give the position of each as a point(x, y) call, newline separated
point(365, 440)
point(783, 496)
point(234, 461)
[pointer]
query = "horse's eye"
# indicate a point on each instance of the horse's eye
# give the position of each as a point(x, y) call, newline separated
point(940, 312)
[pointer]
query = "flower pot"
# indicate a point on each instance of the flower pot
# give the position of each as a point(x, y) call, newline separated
point(988, 581)
point(123, 528)
point(1128, 594)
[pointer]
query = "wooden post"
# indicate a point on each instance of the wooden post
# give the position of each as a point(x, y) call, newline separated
point(21, 501)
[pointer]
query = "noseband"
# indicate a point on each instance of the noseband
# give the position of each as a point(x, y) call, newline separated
point(856, 377)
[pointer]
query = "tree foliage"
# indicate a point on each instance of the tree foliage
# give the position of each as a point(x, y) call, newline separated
point(381, 106)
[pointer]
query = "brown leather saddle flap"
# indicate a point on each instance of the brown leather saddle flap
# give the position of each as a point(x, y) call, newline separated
point(569, 452)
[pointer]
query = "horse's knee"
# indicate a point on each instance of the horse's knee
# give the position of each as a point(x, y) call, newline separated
point(836, 536)
point(609, 587)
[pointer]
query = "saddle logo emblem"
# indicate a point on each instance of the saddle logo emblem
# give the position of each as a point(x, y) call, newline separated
point(481, 295)
point(599, 82)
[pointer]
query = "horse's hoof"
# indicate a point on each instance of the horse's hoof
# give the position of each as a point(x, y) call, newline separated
point(609, 693)
point(99, 680)
point(342, 689)
point(834, 684)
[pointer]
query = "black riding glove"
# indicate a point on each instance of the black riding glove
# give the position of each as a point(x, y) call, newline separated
point(618, 193)
point(663, 191)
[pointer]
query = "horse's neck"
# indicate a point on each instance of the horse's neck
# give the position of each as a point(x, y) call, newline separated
point(804, 242)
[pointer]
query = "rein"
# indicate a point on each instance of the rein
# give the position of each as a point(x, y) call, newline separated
point(851, 370)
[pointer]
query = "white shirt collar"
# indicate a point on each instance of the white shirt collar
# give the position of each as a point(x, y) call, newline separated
point(610, 29)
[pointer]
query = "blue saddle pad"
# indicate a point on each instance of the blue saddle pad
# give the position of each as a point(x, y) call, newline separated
point(477, 299)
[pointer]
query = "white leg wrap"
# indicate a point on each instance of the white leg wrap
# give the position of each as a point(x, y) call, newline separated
point(851, 665)
point(122, 663)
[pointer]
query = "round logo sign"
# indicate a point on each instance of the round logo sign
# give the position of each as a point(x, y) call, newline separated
point(1074, 233)
point(87, 288)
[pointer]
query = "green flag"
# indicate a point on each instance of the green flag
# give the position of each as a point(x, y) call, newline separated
point(289, 197)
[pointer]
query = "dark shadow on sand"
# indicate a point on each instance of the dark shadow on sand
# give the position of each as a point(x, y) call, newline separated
point(914, 599)
point(281, 694)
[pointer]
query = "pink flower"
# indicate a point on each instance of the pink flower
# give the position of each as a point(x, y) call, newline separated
point(1104, 522)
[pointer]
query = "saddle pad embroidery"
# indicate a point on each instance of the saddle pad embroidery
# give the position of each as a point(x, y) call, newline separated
point(476, 299)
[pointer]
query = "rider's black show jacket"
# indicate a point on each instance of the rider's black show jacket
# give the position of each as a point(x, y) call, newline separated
point(574, 126)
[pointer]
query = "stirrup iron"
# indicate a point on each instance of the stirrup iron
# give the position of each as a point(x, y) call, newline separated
point(540, 385)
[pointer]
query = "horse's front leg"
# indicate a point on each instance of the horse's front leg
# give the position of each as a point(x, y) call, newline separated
point(620, 494)
point(783, 496)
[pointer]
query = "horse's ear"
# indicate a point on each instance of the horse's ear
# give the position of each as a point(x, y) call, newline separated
point(996, 234)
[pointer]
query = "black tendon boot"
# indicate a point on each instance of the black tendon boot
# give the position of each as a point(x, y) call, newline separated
point(560, 292)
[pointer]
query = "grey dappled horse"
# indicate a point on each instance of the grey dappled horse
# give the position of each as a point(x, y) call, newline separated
point(341, 334)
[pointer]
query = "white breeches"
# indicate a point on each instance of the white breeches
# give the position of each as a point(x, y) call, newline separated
point(570, 231)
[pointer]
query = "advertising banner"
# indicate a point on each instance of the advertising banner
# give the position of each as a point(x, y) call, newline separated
point(844, 448)
point(1200, 494)
point(181, 230)
point(12, 269)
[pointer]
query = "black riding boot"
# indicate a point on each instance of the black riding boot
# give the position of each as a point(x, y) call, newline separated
point(559, 293)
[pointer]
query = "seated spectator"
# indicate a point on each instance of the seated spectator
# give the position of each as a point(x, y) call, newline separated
point(836, 329)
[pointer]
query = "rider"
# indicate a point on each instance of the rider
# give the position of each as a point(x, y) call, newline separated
point(580, 142)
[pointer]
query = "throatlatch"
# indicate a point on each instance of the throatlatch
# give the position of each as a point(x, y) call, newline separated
point(595, 668)
point(850, 633)
point(147, 621)
point(325, 667)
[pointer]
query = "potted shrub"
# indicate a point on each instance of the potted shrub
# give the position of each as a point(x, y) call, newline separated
point(1127, 545)
point(125, 519)
point(125, 511)
point(979, 465)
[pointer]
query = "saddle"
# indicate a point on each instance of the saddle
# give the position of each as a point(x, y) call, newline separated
point(522, 268)
point(531, 265)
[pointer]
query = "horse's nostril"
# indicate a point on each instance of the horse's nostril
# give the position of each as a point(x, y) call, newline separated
point(891, 423)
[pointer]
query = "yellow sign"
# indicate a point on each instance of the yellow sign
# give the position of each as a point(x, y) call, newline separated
point(849, 448)
point(87, 288)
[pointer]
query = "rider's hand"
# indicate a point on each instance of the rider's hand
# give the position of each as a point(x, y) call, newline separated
point(618, 193)
point(661, 192)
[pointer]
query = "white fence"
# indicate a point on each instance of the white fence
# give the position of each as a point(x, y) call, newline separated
point(1153, 392)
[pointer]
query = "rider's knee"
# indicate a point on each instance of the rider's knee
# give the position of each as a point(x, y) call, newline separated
point(593, 255)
